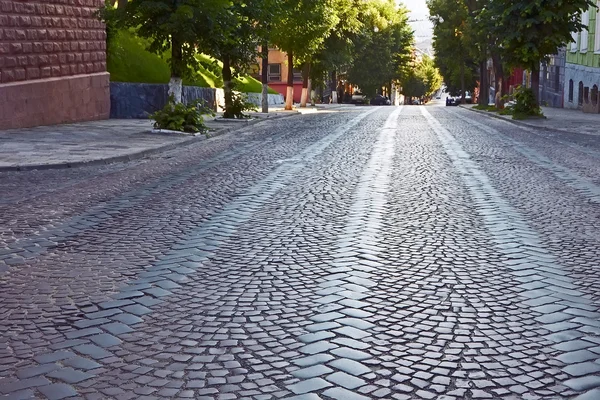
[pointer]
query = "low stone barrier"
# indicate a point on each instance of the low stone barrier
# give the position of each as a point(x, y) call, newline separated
point(139, 100)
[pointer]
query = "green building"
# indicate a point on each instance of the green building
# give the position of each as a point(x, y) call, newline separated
point(582, 68)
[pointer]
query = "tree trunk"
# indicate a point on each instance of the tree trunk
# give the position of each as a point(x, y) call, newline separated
point(289, 98)
point(121, 4)
point(305, 73)
point(175, 84)
point(535, 83)
point(265, 77)
point(498, 73)
point(334, 94)
point(227, 88)
point(484, 87)
point(462, 83)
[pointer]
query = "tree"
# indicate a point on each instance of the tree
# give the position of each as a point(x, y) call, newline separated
point(178, 26)
point(453, 57)
point(531, 30)
point(430, 74)
point(337, 51)
point(266, 15)
point(422, 79)
point(234, 40)
point(299, 30)
point(383, 46)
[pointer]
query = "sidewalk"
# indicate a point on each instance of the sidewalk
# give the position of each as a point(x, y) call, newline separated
point(103, 142)
point(557, 119)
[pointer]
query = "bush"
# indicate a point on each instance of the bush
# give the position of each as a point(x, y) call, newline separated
point(526, 105)
point(181, 117)
point(239, 104)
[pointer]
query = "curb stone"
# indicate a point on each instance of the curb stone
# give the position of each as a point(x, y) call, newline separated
point(143, 153)
point(516, 121)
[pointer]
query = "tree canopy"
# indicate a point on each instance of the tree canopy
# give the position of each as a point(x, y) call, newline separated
point(383, 46)
point(516, 33)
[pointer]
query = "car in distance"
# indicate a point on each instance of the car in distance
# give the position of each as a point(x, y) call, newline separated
point(452, 101)
point(358, 98)
point(380, 100)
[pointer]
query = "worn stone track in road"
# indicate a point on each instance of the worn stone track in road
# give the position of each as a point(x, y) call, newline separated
point(360, 255)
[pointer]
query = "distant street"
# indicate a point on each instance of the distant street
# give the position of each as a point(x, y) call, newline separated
point(415, 252)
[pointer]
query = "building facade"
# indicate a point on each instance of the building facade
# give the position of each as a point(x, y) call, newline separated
point(582, 69)
point(52, 63)
point(277, 74)
point(552, 80)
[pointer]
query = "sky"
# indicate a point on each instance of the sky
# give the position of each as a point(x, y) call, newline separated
point(420, 24)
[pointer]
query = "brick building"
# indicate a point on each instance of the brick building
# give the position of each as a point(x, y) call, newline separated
point(52, 63)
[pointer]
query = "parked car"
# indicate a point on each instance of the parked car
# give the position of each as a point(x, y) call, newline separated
point(358, 98)
point(380, 100)
point(452, 101)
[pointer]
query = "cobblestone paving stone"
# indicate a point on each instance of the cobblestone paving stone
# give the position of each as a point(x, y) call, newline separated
point(373, 253)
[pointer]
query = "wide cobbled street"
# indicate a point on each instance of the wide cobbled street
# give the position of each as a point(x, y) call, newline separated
point(415, 252)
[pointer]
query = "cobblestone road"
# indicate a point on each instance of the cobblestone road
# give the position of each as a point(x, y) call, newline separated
point(368, 253)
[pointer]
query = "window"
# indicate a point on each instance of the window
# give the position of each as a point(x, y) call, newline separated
point(297, 75)
point(274, 73)
point(595, 94)
point(585, 20)
point(586, 94)
point(580, 93)
point(570, 90)
point(575, 43)
point(557, 78)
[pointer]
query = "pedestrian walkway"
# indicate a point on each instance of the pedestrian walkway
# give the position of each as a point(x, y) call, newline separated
point(102, 142)
point(558, 119)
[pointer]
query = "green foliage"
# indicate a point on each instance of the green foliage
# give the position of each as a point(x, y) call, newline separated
point(181, 117)
point(453, 43)
point(180, 27)
point(382, 48)
point(526, 104)
point(430, 75)
point(530, 30)
point(301, 27)
point(129, 61)
point(422, 80)
point(337, 50)
point(239, 104)
point(413, 85)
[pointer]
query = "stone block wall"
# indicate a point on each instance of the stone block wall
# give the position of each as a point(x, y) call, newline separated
point(52, 62)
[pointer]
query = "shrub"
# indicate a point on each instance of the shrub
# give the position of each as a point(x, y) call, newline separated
point(181, 117)
point(239, 104)
point(525, 105)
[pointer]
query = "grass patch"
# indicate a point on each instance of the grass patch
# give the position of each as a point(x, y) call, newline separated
point(485, 107)
point(129, 61)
